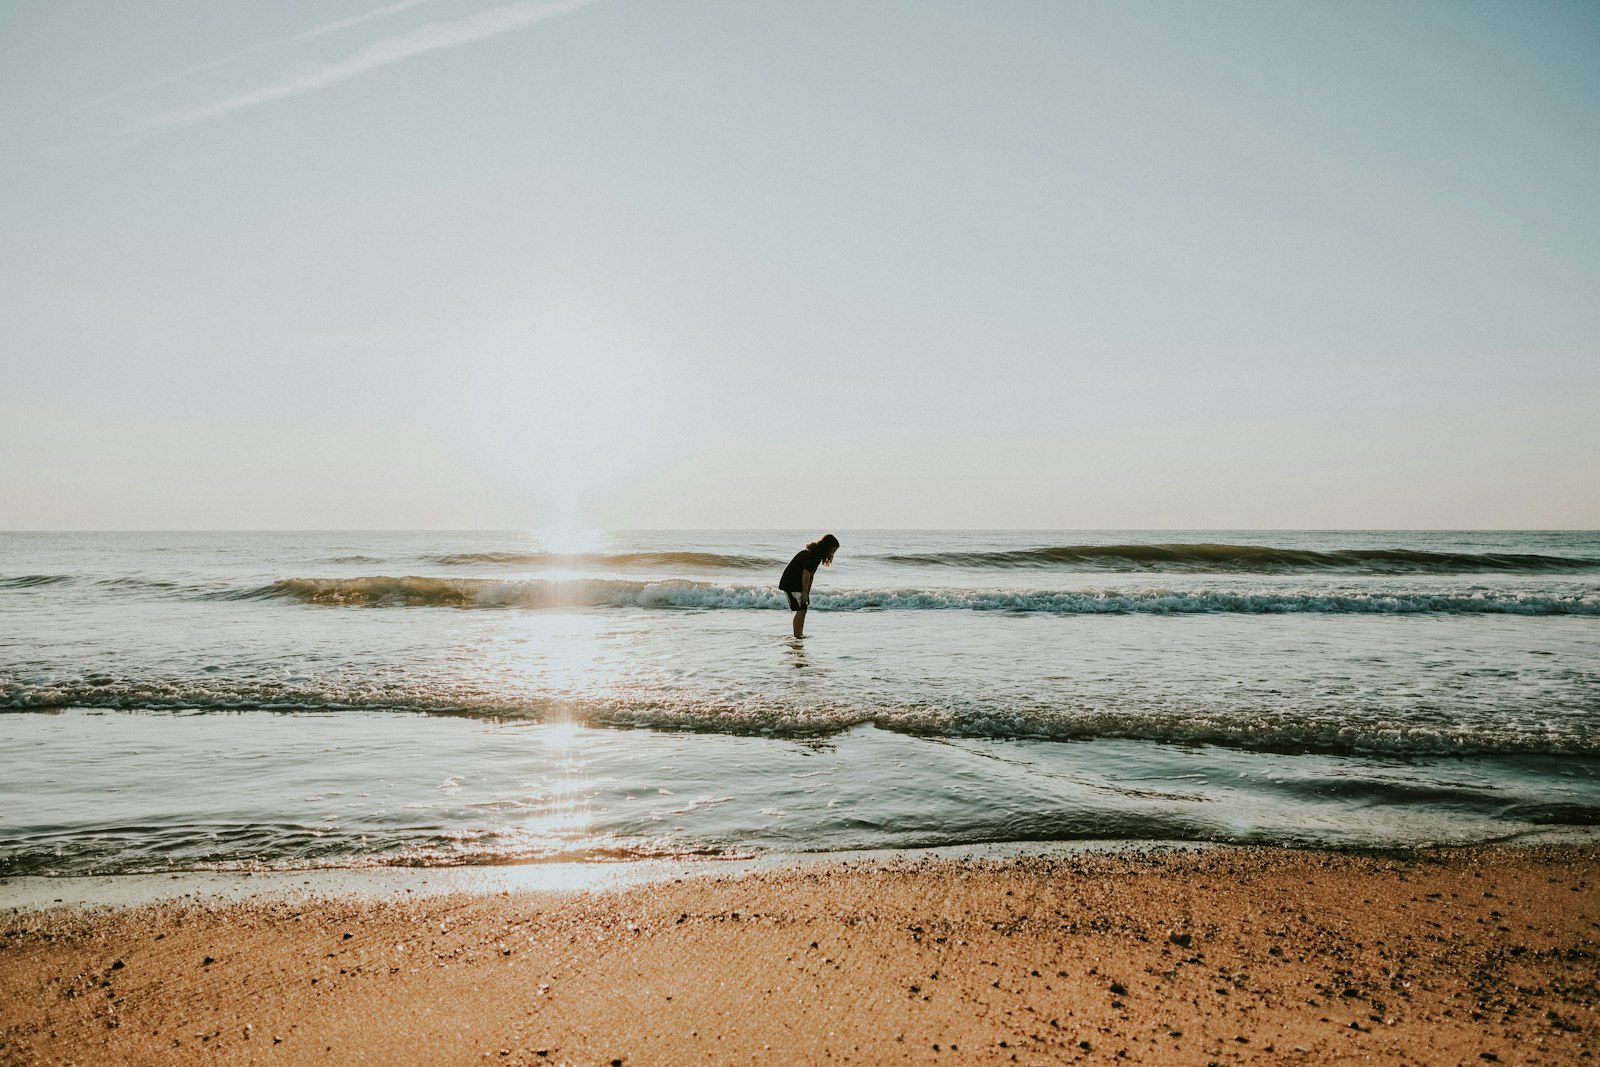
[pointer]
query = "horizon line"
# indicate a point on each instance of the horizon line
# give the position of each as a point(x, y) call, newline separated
point(790, 529)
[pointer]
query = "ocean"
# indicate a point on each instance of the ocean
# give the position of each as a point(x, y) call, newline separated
point(180, 702)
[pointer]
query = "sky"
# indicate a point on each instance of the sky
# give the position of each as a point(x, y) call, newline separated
point(635, 263)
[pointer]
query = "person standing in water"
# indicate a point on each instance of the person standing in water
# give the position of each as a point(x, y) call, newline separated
point(796, 580)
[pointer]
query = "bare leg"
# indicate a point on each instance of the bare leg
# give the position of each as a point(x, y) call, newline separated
point(800, 623)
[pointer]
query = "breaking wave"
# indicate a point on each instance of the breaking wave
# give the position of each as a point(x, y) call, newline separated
point(414, 591)
point(1343, 730)
point(1250, 559)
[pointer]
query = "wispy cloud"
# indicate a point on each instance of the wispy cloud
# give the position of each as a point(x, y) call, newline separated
point(243, 53)
point(355, 20)
point(383, 53)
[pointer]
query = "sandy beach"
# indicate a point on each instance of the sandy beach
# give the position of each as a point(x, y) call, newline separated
point(1465, 956)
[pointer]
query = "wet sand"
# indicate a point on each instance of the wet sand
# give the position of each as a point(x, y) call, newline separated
point(1223, 956)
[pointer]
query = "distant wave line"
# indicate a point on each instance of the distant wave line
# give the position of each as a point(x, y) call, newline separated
point(32, 581)
point(1265, 559)
point(625, 560)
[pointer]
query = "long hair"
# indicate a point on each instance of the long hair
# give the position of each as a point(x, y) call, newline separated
point(824, 546)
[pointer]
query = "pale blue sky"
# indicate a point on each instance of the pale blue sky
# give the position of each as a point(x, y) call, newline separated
point(647, 263)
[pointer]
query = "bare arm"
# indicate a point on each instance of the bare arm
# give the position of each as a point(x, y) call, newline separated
point(805, 583)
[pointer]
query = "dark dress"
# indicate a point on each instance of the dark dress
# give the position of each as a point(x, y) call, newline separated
point(794, 576)
point(793, 580)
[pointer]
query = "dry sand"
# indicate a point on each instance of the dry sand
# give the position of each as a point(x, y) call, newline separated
point(1226, 956)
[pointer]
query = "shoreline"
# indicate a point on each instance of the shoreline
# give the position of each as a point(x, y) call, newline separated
point(20, 894)
point(26, 893)
point(1462, 955)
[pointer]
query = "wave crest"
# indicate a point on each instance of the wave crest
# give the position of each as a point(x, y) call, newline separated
point(1249, 559)
point(33, 581)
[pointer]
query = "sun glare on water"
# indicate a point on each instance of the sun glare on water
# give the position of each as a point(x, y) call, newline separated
point(562, 736)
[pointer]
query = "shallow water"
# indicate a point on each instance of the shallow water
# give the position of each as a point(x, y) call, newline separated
point(202, 701)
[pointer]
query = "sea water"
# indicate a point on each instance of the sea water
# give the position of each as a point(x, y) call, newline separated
point(220, 701)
